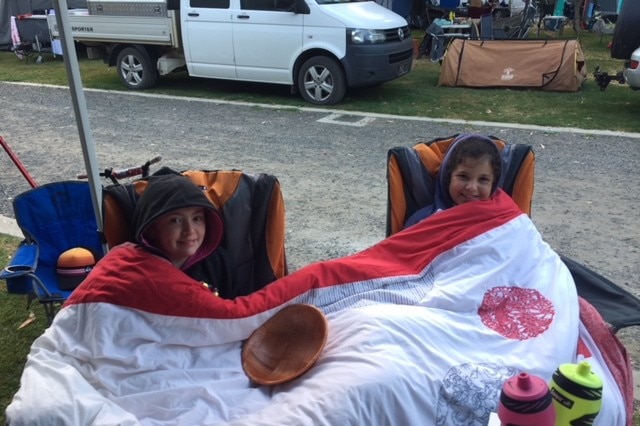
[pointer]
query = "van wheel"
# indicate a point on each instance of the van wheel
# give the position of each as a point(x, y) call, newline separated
point(136, 68)
point(321, 81)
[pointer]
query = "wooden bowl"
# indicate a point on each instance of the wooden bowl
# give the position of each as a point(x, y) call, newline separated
point(286, 345)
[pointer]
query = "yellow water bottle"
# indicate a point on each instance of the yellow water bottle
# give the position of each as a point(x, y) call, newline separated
point(452, 16)
point(577, 394)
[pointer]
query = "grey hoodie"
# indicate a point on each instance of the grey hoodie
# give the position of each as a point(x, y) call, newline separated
point(168, 192)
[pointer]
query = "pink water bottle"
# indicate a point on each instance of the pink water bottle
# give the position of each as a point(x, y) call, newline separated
point(525, 400)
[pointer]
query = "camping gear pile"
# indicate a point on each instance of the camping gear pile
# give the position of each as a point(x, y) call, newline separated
point(10, 9)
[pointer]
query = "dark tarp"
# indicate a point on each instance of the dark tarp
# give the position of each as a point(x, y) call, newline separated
point(626, 36)
point(9, 8)
point(617, 306)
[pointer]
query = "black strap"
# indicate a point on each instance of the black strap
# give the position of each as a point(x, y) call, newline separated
point(513, 156)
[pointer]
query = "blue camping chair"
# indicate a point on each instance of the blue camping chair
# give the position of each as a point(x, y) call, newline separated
point(53, 218)
point(449, 5)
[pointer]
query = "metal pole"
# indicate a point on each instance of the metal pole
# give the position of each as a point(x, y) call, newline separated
point(80, 108)
point(18, 164)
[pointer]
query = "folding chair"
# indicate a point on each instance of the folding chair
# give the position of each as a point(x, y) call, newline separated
point(486, 27)
point(252, 208)
point(411, 172)
point(34, 36)
point(514, 27)
point(54, 217)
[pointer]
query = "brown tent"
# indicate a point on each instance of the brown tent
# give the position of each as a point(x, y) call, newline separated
point(555, 65)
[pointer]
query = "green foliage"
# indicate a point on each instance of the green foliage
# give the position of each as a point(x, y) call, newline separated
point(15, 343)
point(415, 94)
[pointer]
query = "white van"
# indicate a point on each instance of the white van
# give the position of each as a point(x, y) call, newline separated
point(318, 47)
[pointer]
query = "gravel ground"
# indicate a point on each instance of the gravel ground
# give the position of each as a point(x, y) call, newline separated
point(332, 169)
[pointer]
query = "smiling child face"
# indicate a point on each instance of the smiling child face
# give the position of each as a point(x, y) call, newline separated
point(178, 233)
point(471, 180)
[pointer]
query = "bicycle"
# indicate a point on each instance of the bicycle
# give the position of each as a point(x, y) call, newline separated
point(115, 175)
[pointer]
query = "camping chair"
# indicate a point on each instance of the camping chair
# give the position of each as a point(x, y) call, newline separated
point(514, 27)
point(434, 41)
point(486, 27)
point(411, 173)
point(252, 208)
point(54, 217)
point(33, 32)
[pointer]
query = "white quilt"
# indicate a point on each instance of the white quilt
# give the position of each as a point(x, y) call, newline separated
point(424, 328)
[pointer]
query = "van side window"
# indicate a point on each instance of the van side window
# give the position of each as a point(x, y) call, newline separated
point(273, 5)
point(210, 4)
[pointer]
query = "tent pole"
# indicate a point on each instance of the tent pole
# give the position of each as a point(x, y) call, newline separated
point(80, 109)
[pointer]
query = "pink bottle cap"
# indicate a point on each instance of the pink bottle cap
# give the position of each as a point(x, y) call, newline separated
point(525, 400)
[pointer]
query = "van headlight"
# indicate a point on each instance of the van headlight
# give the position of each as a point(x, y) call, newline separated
point(360, 36)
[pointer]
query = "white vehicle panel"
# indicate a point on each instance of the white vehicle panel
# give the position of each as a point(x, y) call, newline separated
point(208, 41)
point(266, 44)
point(362, 15)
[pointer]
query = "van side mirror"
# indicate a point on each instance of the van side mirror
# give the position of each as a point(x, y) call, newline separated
point(300, 6)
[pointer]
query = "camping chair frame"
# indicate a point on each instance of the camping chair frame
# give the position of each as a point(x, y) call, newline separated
point(253, 213)
point(51, 302)
point(34, 37)
point(252, 207)
point(501, 28)
point(53, 218)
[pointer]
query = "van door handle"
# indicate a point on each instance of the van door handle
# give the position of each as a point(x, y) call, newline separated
point(193, 14)
point(243, 16)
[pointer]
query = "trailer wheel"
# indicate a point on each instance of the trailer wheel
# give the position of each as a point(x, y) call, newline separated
point(136, 68)
point(321, 81)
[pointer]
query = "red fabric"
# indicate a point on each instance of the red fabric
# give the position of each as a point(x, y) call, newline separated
point(129, 276)
point(613, 352)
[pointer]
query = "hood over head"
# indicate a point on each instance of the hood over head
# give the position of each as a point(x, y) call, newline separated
point(442, 198)
point(165, 193)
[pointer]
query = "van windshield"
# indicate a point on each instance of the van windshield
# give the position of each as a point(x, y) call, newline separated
point(339, 1)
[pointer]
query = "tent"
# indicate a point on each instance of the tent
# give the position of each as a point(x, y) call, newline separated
point(552, 65)
point(9, 8)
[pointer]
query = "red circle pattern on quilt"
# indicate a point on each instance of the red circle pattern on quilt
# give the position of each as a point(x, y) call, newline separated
point(516, 313)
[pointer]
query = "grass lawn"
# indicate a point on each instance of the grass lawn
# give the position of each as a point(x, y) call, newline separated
point(415, 94)
point(15, 343)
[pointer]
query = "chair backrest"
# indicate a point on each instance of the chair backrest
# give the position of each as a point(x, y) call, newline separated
point(411, 174)
point(449, 4)
point(486, 27)
point(57, 216)
point(252, 208)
